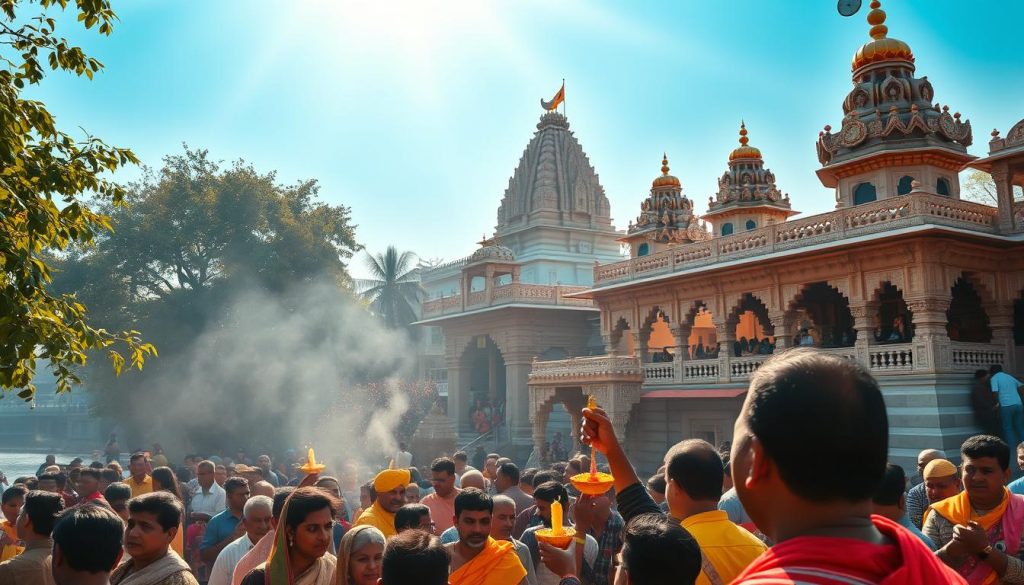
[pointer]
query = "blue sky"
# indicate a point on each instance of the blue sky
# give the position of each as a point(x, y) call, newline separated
point(415, 113)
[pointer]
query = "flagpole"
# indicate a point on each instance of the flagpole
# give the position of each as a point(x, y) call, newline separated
point(563, 100)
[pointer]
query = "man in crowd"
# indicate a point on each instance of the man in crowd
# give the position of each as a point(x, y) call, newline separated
point(595, 517)
point(403, 458)
point(1017, 486)
point(390, 488)
point(415, 557)
point(478, 559)
point(256, 516)
point(979, 531)
point(413, 517)
point(349, 481)
point(890, 500)
point(13, 499)
point(225, 527)
point(107, 477)
point(87, 545)
point(35, 525)
point(491, 467)
point(412, 493)
point(89, 486)
point(442, 501)
point(917, 497)
point(530, 517)
point(526, 480)
point(819, 515)
point(461, 466)
point(656, 489)
point(220, 474)
point(48, 483)
point(50, 461)
point(266, 466)
point(1011, 409)
point(117, 495)
point(153, 521)
point(941, 481)
point(140, 481)
point(503, 519)
point(258, 554)
point(693, 478)
point(209, 498)
point(507, 484)
point(545, 495)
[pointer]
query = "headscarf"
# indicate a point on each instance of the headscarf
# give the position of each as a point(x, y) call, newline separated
point(278, 569)
point(354, 540)
point(391, 478)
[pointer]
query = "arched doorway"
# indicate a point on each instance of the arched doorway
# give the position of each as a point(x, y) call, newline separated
point(621, 340)
point(754, 333)
point(820, 317)
point(659, 339)
point(966, 319)
point(893, 320)
point(487, 387)
point(703, 340)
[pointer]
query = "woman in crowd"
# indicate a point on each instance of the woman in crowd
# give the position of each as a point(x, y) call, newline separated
point(164, 480)
point(359, 557)
point(300, 552)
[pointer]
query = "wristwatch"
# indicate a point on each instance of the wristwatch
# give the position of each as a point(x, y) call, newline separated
point(985, 552)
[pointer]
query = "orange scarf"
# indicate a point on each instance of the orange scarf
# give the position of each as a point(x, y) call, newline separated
point(958, 510)
point(496, 564)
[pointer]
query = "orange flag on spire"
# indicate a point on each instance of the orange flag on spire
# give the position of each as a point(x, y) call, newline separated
point(555, 101)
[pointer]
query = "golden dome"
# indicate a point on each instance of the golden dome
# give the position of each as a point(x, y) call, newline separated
point(880, 48)
point(744, 151)
point(665, 180)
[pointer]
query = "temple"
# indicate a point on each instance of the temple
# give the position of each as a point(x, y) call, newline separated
point(919, 285)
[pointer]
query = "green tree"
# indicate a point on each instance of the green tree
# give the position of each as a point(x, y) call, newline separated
point(45, 174)
point(393, 289)
point(979, 187)
point(196, 237)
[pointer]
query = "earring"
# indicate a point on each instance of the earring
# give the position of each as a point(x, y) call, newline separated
point(291, 542)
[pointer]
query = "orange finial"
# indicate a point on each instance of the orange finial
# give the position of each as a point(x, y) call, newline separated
point(876, 18)
point(743, 133)
point(664, 163)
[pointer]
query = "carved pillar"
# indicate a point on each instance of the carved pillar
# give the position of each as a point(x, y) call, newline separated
point(681, 337)
point(458, 396)
point(782, 340)
point(517, 393)
point(863, 324)
point(1004, 195)
point(931, 340)
point(539, 413)
point(640, 345)
point(515, 274)
point(610, 346)
point(726, 333)
point(489, 283)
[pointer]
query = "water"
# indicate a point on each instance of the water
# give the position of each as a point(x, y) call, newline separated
point(18, 464)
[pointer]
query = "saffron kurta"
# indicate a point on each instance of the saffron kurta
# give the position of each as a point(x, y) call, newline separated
point(496, 564)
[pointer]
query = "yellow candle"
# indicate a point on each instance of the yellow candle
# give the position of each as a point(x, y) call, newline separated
point(312, 458)
point(556, 518)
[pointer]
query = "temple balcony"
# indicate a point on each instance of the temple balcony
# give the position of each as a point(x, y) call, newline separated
point(894, 359)
point(515, 293)
point(908, 212)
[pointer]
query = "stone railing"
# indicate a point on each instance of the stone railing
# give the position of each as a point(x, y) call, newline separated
point(891, 358)
point(742, 368)
point(587, 368)
point(967, 357)
point(700, 371)
point(659, 373)
point(513, 293)
point(887, 214)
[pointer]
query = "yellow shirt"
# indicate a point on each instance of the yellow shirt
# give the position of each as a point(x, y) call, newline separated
point(9, 551)
point(729, 548)
point(140, 488)
point(379, 518)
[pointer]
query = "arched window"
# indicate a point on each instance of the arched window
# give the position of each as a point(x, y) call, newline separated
point(751, 224)
point(942, 187)
point(864, 193)
point(966, 319)
point(726, 229)
point(643, 250)
point(905, 185)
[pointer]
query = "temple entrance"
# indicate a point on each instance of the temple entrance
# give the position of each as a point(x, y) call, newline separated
point(966, 319)
point(820, 317)
point(893, 320)
point(487, 392)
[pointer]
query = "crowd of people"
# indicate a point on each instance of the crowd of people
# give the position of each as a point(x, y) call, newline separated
point(804, 494)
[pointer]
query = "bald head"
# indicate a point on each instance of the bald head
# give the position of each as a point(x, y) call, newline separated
point(927, 456)
point(473, 479)
point(262, 488)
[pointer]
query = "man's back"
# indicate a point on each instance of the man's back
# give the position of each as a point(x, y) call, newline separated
point(1005, 386)
point(728, 548)
point(31, 567)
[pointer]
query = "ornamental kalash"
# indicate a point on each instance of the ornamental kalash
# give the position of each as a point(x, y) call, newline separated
point(904, 276)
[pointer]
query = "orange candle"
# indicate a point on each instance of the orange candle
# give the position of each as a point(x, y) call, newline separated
point(556, 519)
point(312, 458)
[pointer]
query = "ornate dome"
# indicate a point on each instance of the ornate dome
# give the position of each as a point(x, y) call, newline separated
point(665, 180)
point(880, 48)
point(744, 151)
point(492, 253)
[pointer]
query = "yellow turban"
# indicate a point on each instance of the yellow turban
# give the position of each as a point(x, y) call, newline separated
point(939, 468)
point(390, 479)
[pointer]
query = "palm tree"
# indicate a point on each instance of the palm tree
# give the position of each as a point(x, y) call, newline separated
point(394, 289)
